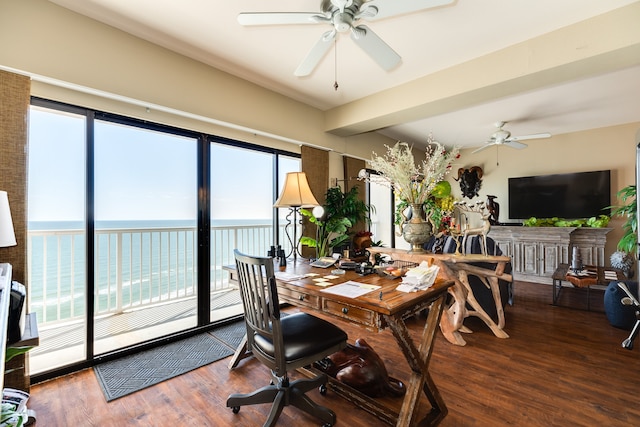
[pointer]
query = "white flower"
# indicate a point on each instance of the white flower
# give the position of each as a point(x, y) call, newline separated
point(414, 183)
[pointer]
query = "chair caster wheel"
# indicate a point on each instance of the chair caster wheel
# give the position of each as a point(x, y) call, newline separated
point(628, 344)
point(235, 409)
point(323, 390)
point(327, 425)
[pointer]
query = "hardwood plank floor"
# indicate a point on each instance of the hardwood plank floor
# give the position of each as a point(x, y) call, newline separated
point(561, 366)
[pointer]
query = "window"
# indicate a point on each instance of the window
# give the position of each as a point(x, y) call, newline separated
point(119, 253)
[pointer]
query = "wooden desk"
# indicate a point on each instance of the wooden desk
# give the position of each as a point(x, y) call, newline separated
point(376, 310)
point(457, 268)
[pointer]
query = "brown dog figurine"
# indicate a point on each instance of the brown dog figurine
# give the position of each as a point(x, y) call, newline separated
point(360, 367)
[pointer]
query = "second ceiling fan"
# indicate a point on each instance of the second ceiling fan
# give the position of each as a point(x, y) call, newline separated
point(343, 16)
point(503, 137)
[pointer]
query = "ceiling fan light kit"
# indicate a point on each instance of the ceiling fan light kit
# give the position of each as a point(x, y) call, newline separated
point(343, 15)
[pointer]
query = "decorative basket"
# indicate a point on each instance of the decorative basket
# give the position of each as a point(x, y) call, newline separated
point(394, 269)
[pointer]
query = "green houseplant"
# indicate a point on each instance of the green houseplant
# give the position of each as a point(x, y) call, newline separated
point(624, 257)
point(342, 210)
point(629, 240)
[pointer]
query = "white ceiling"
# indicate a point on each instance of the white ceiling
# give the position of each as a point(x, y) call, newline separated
point(428, 41)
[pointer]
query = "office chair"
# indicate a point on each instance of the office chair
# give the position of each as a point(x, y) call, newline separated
point(282, 344)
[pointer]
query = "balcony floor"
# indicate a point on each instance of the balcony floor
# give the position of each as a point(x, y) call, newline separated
point(65, 343)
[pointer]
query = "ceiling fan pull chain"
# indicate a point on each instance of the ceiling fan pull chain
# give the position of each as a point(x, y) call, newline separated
point(335, 60)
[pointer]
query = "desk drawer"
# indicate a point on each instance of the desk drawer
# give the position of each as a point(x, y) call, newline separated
point(298, 298)
point(349, 312)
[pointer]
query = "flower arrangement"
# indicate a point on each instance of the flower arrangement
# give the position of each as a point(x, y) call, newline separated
point(410, 182)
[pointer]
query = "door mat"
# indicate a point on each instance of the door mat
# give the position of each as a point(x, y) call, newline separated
point(141, 370)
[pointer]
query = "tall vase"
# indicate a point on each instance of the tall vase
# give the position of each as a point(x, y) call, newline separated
point(417, 231)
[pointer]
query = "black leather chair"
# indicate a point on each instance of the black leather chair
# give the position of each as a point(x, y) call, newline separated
point(282, 344)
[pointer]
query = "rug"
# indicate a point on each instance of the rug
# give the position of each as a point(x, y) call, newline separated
point(132, 373)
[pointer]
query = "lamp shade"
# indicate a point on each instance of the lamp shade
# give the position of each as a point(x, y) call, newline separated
point(7, 235)
point(296, 192)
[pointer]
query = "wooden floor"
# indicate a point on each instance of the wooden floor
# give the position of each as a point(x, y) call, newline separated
point(561, 366)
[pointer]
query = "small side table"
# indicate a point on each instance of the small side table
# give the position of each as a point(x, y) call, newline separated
point(593, 276)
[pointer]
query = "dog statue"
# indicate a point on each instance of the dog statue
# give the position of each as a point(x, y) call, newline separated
point(360, 367)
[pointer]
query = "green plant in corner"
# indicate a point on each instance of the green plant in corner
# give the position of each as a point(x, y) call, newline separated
point(342, 210)
point(629, 240)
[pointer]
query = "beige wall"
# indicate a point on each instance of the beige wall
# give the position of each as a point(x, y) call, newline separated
point(81, 61)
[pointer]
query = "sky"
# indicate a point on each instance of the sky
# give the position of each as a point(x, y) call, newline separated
point(140, 174)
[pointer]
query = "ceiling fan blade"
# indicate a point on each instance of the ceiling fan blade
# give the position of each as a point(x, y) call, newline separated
point(387, 8)
point(484, 147)
point(280, 18)
point(315, 55)
point(532, 136)
point(515, 144)
point(375, 47)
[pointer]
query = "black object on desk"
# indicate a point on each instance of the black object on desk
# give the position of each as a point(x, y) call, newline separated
point(16, 319)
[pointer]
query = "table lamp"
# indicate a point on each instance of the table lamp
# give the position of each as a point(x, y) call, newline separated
point(7, 235)
point(295, 194)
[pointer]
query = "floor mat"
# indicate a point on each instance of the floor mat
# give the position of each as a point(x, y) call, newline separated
point(132, 373)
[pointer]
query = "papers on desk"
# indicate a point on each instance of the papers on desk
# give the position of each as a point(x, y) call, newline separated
point(419, 278)
point(288, 277)
point(351, 289)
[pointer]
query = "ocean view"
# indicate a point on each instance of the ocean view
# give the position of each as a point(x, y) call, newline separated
point(137, 262)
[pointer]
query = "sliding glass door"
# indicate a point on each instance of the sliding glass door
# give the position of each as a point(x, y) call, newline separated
point(145, 198)
point(131, 228)
point(56, 246)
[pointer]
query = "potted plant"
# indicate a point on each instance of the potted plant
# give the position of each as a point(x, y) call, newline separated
point(624, 257)
point(413, 186)
point(342, 210)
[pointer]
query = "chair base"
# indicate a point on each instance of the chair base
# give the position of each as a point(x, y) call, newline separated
point(281, 395)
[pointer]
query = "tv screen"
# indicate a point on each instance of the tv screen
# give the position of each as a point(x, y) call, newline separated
point(569, 196)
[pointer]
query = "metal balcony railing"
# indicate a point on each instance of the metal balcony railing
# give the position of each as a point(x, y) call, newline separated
point(134, 268)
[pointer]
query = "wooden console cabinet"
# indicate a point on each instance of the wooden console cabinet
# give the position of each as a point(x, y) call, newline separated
point(536, 252)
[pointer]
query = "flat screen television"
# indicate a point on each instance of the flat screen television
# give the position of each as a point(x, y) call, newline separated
point(568, 196)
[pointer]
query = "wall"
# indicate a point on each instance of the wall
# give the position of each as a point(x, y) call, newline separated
point(611, 148)
point(78, 60)
point(81, 61)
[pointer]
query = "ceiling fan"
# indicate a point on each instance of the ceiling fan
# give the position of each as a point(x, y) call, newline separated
point(343, 16)
point(503, 137)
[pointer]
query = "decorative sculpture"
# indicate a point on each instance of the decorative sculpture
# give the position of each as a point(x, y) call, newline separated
point(470, 181)
point(360, 367)
point(482, 231)
point(494, 210)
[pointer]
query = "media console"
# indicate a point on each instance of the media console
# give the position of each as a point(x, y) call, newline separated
point(536, 252)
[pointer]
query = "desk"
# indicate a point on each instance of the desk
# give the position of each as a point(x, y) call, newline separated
point(596, 276)
point(374, 311)
point(457, 268)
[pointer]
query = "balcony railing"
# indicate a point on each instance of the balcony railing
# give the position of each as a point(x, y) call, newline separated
point(134, 268)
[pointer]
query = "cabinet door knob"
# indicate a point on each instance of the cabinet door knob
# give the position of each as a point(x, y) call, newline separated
point(301, 297)
point(345, 310)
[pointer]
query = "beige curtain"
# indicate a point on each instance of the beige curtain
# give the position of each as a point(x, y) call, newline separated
point(315, 163)
point(14, 109)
